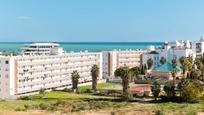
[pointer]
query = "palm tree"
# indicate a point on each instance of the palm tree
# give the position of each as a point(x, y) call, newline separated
point(196, 74)
point(163, 60)
point(95, 75)
point(135, 72)
point(182, 60)
point(124, 74)
point(173, 73)
point(75, 80)
point(174, 62)
point(185, 65)
point(150, 63)
point(199, 64)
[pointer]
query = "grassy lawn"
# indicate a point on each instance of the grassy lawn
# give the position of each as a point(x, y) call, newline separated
point(85, 103)
point(57, 100)
point(99, 86)
point(179, 108)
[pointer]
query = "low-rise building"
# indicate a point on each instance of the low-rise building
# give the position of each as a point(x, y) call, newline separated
point(42, 49)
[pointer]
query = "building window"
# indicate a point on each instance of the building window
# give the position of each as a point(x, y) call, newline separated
point(7, 76)
point(7, 62)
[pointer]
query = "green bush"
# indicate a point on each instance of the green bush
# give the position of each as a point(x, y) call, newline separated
point(26, 106)
point(67, 90)
point(42, 91)
point(24, 98)
point(169, 89)
point(43, 106)
point(156, 88)
point(191, 90)
point(20, 108)
point(159, 112)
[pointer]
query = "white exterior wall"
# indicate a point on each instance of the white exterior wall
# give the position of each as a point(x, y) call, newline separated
point(198, 48)
point(154, 57)
point(178, 53)
point(130, 58)
point(113, 60)
point(7, 89)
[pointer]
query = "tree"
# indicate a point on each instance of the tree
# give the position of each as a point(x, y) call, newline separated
point(199, 63)
point(173, 73)
point(196, 74)
point(144, 68)
point(163, 60)
point(182, 60)
point(169, 89)
point(174, 62)
point(190, 59)
point(135, 72)
point(150, 63)
point(95, 75)
point(190, 90)
point(156, 88)
point(75, 80)
point(124, 74)
point(186, 64)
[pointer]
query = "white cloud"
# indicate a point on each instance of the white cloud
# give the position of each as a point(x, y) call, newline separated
point(23, 17)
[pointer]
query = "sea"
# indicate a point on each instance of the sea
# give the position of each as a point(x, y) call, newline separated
point(84, 46)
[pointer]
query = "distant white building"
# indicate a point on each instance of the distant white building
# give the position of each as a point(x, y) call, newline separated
point(151, 55)
point(42, 49)
point(169, 51)
point(198, 47)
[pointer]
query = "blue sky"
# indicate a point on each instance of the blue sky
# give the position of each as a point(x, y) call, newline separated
point(101, 20)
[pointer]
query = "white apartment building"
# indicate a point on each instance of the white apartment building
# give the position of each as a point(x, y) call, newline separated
point(28, 74)
point(114, 59)
point(168, 51)
point(42, 49)
point(198, 47)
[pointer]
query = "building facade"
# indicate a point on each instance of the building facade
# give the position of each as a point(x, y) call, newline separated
point(168, 51)
point(198, 47)
point(115, 59)
point(28, 74)
point(42, 49)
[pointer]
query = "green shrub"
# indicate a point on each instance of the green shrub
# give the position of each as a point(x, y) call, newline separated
point(82, 108)
point(169, 89)
point(67, 90)
point(20, 108)
point(26, 106)
point(156, 88)
point(24, 98)
point(43, 106)
point(191, 90)
point(42, 91)
point(159, 112)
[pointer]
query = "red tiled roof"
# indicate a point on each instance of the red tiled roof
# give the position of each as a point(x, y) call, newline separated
point(140, 88)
